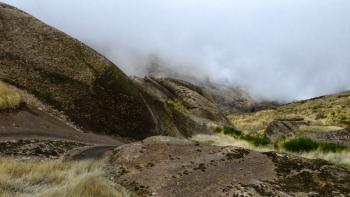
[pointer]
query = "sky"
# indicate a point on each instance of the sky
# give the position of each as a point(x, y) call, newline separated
point(276, 49)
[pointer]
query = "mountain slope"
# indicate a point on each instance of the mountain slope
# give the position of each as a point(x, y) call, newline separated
point(70, 77)
point(327, 113)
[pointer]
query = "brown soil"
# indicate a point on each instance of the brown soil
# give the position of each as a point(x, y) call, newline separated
point(165, 166)
point(30, 123)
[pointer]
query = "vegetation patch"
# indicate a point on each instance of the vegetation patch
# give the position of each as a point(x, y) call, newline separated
point(233, 132)
point(177, 105)
point(256, 140)
point(332, 110)
point(319, 129)
point(54, 178)
point(341, 158)
point(9, 98)
point(304, 144)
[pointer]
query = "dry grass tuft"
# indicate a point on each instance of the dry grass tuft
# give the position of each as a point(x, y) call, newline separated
point(54, 178)
point(224, 140)
point(339, 158)
point(9, 98)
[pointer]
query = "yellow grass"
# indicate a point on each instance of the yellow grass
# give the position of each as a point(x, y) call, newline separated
point(9, 99)
point(224, 140)
point(320, 129)
point(340, 158)
point(54, 178)
point(336, 110)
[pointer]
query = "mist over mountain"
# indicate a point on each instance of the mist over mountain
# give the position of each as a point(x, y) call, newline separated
point(278, 50)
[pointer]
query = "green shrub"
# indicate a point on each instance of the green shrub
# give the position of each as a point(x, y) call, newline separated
point(256, 140)
point(304, 144)
point(217, 129)
point(331, 147)
point(232, 131)
point(301, 144)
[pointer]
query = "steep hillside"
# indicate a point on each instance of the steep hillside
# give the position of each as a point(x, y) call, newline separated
point(69, 76)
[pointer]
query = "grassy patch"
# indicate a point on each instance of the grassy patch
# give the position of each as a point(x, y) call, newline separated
point(335, 110)
point(304, 144)
point(233, 132)
point(341, 158)
point(177, 105)
point(320, 129)
point(301, 145)
point(54, 178)
point(9, 98)
point(256, 140)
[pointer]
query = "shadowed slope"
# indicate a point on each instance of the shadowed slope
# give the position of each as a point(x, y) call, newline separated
point(69, 76)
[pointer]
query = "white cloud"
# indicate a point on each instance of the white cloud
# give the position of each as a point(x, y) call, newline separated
point(285, 50)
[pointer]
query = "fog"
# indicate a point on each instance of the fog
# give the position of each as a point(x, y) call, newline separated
point(277, 49)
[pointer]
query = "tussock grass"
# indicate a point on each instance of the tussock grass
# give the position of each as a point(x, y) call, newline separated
point(233, 132)
point(54, 178)
point(9, 98)
point(339, 158)
point(304, 144)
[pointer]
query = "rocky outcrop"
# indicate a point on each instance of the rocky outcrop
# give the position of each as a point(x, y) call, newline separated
point(39, 149)
point(187, 98)
point(166, 166)
point(285, 128)
point(228, 98)
point(341, 137)
point(71, 77)
point(282, 128)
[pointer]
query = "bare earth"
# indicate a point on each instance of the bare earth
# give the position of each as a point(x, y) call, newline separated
point(31, 123)
point(167, 166)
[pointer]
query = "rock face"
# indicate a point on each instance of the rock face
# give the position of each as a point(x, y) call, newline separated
point(35, 148)
point(69, 76)
point(341, 137)
point(166, 166)
point(187, 98)
point(284, 128)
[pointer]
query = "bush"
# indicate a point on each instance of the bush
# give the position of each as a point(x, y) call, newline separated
point(304, 144)
point(217, 129)
point(232, 131)
point(301, 144)
point(256, 140)
point(331, 147)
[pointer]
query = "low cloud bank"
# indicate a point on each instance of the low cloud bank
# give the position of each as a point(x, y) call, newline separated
point(278, 50)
